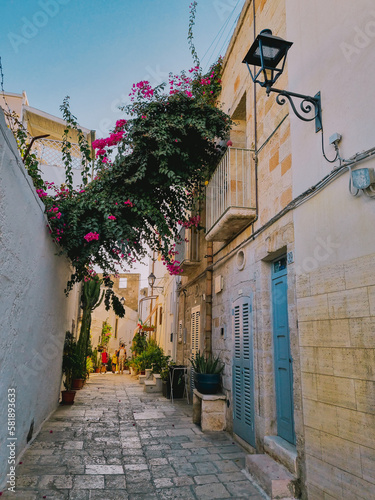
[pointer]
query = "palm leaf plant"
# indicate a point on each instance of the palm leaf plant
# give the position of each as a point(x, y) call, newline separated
point(209, 364)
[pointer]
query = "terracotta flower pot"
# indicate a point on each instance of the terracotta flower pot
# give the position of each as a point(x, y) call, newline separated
point(67, 397)
point(78, 383)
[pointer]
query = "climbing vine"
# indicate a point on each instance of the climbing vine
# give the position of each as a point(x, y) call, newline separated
point(147, 175)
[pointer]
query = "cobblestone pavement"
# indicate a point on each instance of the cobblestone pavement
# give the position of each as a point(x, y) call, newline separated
point(117, 442)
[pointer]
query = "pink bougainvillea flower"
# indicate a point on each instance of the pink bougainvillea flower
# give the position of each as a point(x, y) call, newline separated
point(229, 143)
point(41, 193)
point(112, 217)
point(120, 124)
point(91, 236)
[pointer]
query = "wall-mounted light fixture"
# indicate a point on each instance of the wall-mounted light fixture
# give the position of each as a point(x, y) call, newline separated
point(268, 52)
point(151, 282)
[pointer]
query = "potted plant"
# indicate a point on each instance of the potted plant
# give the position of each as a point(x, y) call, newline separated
point(79, 373)
point(142, 362)
point(70, 363)
point(146, 328)
point(139, 344)
point(159, 361)
point(207, 373)
point(165, 379)
point(95, 362)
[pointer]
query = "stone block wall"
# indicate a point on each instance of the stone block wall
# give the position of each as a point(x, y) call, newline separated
point(253, 280)
point(336, 318)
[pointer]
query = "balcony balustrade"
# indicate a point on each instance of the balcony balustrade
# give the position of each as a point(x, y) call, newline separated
point(188, 247)
point(49, 152)
point(230, 195)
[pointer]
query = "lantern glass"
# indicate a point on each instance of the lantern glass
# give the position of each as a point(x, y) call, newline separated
point(151, 280)
point(267, 52)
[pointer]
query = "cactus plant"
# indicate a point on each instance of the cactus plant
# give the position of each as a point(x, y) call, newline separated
point(90, 300)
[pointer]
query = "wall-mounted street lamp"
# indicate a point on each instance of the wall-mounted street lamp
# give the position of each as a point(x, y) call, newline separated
point(151, 282)
point(268, 52)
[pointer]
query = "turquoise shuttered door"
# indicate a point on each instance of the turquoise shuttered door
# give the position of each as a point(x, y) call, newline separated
point(282, 356)
point(243, 372)
point(194, 335)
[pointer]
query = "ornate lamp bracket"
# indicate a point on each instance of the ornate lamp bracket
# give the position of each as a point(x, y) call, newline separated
point(308, 105)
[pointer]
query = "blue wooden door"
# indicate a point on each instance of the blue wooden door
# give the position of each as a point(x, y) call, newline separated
point(243, 371)
point(282, 356)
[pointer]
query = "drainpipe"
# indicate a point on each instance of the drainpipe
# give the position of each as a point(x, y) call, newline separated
point(255, 134)
point(208, 326)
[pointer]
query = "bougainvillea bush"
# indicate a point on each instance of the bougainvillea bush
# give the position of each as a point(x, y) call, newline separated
point(147, 174)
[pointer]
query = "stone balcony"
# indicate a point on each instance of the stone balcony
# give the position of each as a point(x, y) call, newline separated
point(230, 195)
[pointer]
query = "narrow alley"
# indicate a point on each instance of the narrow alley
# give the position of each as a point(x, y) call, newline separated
point(116, 442)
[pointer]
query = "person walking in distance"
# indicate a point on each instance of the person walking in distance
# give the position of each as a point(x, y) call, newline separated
point(121, 358)
point(105, 359)
point(114, 362)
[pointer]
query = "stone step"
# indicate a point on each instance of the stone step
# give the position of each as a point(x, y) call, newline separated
point(142, 379)
point(281, 451)
point(150, 386)
point(273, 477)
point(154, 385)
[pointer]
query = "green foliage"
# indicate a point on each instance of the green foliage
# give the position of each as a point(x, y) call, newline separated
point(71, 363)
point(94, 359)
point(89, 365)
point(106, 333)
point(109, 364)
point(139, 344)
point(169, 148)
point(72, 124)
point(90, 300)
point(152, 357)
point(147, 183)
point(208, 364)
point(193, 8)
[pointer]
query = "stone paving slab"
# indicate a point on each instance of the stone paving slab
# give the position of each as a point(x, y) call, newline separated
point(116, 442)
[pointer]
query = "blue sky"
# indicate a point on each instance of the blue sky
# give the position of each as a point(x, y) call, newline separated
point(94, 50)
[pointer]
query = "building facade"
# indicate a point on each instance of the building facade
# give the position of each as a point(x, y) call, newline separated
point(47, 131)
point(161, 307)
point(279, 283)
point(126, 287)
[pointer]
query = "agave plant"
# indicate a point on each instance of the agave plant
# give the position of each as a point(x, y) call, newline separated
point(207, 364)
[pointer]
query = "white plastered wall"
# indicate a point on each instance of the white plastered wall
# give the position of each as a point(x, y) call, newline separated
point(333, 52)
point(34, 311)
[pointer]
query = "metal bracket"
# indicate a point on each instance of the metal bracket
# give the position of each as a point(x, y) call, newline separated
point(306, 105)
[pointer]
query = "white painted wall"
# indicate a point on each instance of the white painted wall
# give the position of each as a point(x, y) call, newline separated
point(333, 53)
point(56, 174)
point(167, 299)
point(34, 311)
